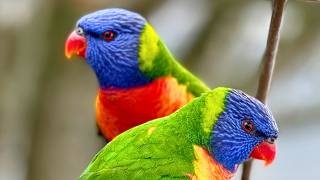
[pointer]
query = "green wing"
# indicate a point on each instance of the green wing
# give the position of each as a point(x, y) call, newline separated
point(162, 148)
point(156, 61)
point(145, 152)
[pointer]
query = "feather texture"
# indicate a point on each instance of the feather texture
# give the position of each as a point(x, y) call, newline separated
point(121, 109)
point(162, 148)
point(190, 143)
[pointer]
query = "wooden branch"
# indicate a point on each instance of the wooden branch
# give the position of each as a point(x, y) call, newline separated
point(311, 1)
point(268, 63)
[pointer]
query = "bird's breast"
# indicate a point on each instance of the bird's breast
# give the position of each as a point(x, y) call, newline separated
point(205, 167)
point(121, 109)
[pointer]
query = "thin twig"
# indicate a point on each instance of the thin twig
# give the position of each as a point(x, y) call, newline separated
point(268, 63)
point(310, 1)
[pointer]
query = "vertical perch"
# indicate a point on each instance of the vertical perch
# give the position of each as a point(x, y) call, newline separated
point(268, 63)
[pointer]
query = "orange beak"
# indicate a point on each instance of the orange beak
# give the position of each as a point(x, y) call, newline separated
point(75, 44)
point(264, 151)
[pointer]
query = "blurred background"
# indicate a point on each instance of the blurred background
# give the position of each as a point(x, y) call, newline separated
point(47, 119)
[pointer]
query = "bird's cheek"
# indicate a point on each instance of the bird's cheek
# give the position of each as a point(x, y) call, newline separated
point(264, 151)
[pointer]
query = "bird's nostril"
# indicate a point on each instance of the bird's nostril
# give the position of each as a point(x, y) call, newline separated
point(271, 140)
point(79, 31)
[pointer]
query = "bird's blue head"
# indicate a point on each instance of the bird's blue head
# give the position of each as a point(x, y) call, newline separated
point(109, 41)
point(245, 129)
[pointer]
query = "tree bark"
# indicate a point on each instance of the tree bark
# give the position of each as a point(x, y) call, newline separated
point(268, 63)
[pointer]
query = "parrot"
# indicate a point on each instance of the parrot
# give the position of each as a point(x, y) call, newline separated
point(139, 79)
point(206, 139)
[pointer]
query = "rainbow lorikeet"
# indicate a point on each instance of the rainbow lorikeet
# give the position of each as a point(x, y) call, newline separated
point(139, 79)
point(206, 139)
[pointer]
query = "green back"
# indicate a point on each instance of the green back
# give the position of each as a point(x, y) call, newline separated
point(162, 148)
point(156, 61)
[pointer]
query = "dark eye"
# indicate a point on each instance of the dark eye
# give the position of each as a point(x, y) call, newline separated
point(248, 126)
point(109, 35)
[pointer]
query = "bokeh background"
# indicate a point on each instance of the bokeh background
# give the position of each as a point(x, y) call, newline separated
point(47, 128)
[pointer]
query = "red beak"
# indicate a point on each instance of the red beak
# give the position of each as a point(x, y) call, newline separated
point(264, 151)
point(75, 44)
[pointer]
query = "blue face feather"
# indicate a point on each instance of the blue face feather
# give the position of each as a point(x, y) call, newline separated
point(114, 57)
point(245, 123)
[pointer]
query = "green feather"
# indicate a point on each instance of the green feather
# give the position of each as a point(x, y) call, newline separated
point(162, 148)
point(155, 60)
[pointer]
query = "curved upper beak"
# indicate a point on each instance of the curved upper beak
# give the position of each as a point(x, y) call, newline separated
point(264, 151)
point(75, 44)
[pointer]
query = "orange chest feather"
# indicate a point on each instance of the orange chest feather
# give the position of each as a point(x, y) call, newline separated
point(205, 167)
point(120, 109)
